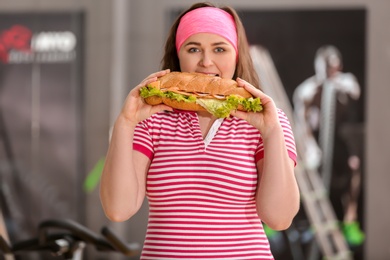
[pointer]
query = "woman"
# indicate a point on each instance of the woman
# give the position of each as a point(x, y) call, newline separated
point(210, 182)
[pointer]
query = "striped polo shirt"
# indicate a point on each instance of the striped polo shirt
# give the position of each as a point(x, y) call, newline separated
point(201, 192)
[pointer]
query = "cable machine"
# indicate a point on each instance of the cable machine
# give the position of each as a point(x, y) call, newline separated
point(319, 210)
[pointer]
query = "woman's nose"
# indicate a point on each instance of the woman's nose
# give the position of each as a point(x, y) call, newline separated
point(206, 60)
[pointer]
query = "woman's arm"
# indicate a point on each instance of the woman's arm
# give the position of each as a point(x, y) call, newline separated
point(277, 196)
point(122, 187)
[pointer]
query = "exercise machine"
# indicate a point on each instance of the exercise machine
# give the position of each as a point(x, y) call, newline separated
point(67, 239)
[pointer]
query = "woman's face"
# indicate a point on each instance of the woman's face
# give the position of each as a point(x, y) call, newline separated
point(209, 54)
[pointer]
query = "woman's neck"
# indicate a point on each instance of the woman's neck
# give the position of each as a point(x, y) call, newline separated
point(206, 120)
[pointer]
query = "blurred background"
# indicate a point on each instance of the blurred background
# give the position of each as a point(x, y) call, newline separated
point(67, 66)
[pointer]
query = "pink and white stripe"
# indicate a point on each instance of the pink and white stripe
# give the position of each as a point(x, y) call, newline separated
point(202, 198)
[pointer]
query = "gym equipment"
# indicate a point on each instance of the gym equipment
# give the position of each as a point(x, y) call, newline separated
point(67, 238)
point(313, 190)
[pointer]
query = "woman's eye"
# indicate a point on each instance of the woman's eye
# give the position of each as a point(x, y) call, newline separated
point(219, 49)
point(193, 50)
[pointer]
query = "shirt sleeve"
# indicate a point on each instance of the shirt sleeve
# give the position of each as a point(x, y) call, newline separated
point(288, 138)
point(142, 141)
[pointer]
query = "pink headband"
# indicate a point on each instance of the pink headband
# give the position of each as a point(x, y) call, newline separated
point(207, 20)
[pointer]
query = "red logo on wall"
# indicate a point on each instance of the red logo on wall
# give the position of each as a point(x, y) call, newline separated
point(18, 38)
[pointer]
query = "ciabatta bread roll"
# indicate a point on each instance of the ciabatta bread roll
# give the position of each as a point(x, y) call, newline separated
point(196, 92)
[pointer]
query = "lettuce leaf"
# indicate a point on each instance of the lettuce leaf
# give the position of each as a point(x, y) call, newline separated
point(180, 97)
point(222, 108)
point(218, 108)
point(147, 91)
point(252, 104)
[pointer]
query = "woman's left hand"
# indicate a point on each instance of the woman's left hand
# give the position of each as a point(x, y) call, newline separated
point(265, 120)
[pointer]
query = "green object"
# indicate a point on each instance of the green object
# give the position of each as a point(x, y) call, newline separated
point(219, 108)
point(353, 234)
point(93, 177)
point(222, 108)
point(269, 232)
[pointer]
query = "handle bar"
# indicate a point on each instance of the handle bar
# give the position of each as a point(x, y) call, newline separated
point(77, 230)
point(66, 242)
point(124, 248)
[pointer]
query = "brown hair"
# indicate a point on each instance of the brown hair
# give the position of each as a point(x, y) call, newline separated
point(244, 67)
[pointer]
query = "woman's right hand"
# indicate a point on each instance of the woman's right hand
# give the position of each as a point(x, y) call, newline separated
point(135, 109)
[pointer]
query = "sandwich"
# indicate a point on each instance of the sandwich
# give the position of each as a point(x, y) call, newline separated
point(200, 92)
